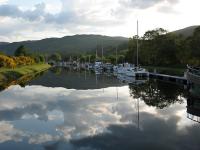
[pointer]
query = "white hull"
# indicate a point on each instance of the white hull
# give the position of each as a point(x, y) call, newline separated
point(135, 72)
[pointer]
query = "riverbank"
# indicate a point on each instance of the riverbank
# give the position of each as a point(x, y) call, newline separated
point(166, 70)
point(7, 74)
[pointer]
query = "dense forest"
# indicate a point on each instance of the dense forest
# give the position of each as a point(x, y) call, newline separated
point(160, 48)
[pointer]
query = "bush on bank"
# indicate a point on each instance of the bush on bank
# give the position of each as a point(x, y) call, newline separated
point(12, 62)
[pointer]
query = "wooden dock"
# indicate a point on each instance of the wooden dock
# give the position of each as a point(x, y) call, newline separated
point(169, 78)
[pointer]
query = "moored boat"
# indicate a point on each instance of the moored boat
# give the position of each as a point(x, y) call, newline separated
point(98, 65)
point(193, 74)
point(133, 72)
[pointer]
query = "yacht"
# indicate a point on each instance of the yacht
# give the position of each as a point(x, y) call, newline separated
point(123, 68)
point(98, 65)
point(137, 71)
point(108, 66)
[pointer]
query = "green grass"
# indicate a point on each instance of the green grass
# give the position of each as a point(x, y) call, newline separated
point(167, 70)
point(12, 74)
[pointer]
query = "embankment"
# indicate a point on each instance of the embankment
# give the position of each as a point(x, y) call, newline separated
point(8, 75)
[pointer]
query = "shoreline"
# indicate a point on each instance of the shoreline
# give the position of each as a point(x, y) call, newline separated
point(167, 70)
point(8, 75)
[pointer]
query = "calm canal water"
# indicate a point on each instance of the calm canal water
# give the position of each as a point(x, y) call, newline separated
point(64, 109)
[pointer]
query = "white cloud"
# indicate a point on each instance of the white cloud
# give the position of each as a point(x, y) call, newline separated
point(3, 1)
point(51, 18)
point(143, 4)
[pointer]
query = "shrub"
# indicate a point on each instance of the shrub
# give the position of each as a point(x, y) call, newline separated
point(6, 61)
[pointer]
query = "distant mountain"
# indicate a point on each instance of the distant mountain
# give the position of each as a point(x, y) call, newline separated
point(68, 44)
point(186, 32)
point(3, 43)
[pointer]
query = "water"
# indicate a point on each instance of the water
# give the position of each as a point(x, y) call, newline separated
point(77, 110)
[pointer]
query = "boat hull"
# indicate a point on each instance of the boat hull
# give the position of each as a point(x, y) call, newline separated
point(193, 78)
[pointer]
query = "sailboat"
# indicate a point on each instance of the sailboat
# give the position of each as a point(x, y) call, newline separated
point(121, 68)
point(137, 71)
point(98, 65)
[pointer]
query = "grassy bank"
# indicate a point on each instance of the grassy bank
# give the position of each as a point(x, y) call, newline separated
point(167, 70)
point(7, 74)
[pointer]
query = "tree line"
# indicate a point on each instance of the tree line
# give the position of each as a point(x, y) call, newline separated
point(160, 48)
point(20, 58)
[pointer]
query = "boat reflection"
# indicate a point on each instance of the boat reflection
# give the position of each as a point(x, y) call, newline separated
point(193, 103)
point(193, 109)
point(131, 80)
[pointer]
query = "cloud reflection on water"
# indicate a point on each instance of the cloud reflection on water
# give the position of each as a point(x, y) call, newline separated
point(89, 118)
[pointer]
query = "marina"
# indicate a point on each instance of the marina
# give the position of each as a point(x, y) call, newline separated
point(129, 71)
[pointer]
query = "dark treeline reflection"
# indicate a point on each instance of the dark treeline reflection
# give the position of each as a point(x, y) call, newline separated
point(157, 93)
point(22, 81)
point(73, 78)
point(70, 78)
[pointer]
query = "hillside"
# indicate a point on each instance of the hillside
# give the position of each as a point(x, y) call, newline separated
point(3, 43)
point(186, 32)
point(67, 44)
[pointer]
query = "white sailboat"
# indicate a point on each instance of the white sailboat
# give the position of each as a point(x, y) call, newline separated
point(98, 65)
point(123, 68)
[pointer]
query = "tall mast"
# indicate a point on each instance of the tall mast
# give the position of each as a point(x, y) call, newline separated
point(70, 59)
point(96, 54)
point(116, 55)
point(102, 53)
point(137, 44)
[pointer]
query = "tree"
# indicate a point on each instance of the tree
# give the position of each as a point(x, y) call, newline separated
point(195, 47)
point(152, 34)
point(21, 51)
point(39, 58)
point(131, 54)
point(55, 57)
point(92, 58)
point(121, 59)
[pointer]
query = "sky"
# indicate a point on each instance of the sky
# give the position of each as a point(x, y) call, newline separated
point(38, 19)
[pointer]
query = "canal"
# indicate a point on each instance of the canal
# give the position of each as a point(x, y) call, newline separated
point(66, 109)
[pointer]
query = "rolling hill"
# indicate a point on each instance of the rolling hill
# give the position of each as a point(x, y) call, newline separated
point(185, 32)
point(78, 44)
point(67, 45)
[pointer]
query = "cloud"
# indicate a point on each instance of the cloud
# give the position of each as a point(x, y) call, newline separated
point(34, 20)
point(3, 1)
point(13, 11)
point(70, 17)
point(126, 137)
point(69, 14)
point(144, 4)
point(167, 9)
point(41, 21)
